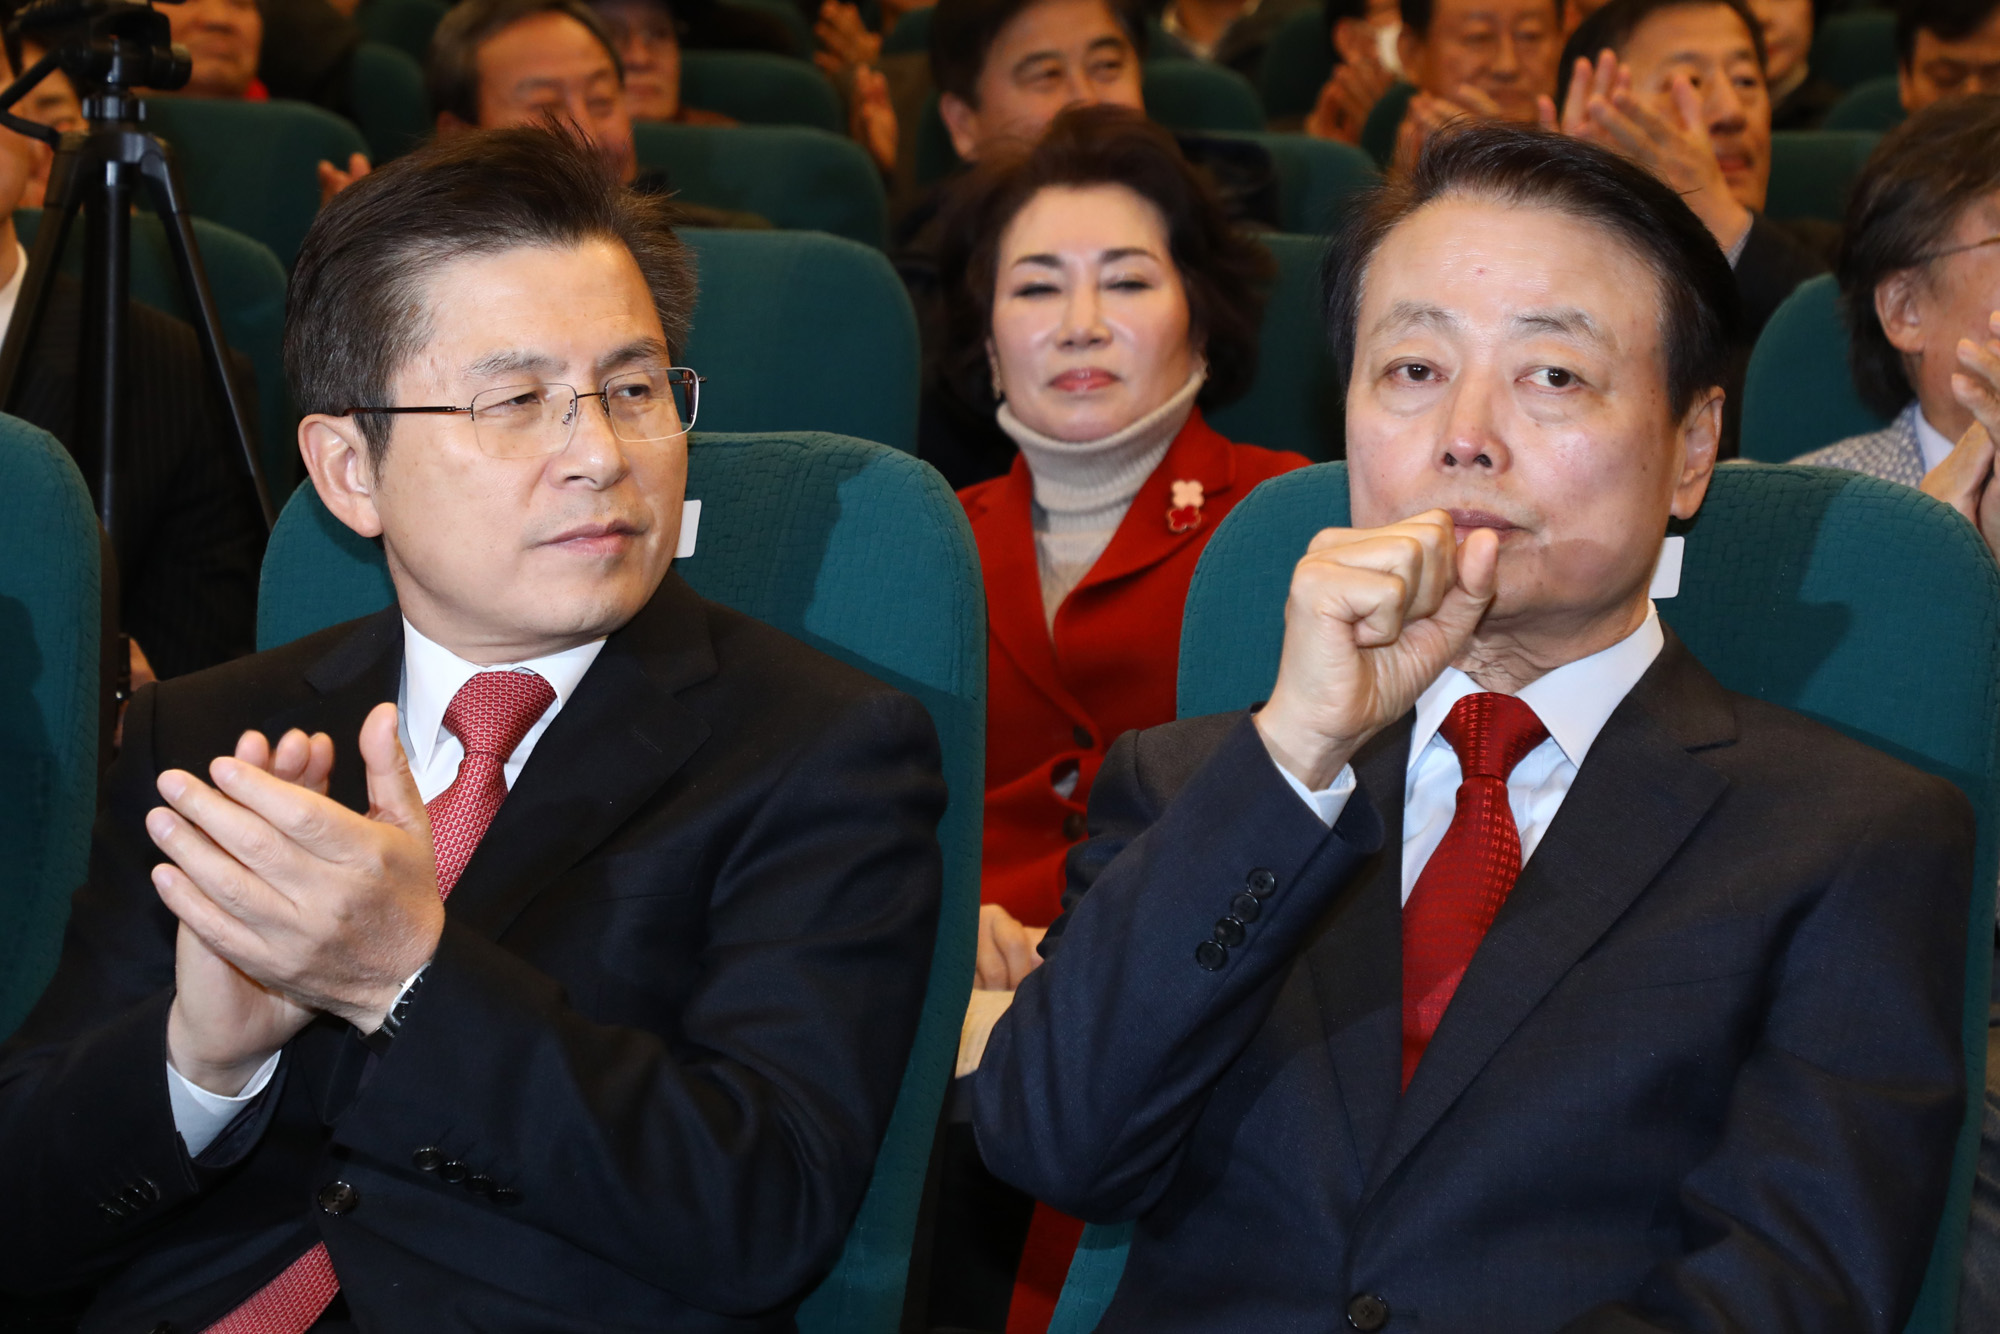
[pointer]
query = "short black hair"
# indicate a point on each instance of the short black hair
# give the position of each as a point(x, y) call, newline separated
point(1916, 185)
point(963, 31)
point(358, 309)
point(1611, 28)
point(451, 69)
point(1948, 20)
point(1417, 15)
point(1225, 274)
point(1702, 323)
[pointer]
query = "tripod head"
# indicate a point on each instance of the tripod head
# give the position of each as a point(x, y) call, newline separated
point(107, 48)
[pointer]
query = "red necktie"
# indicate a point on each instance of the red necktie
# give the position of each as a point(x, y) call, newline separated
point(1467, 879)
point(489, 715)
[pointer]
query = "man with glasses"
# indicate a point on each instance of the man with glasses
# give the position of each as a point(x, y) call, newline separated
point(542, 952)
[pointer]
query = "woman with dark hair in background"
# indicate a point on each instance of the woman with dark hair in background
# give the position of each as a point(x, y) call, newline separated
point(1105, 302)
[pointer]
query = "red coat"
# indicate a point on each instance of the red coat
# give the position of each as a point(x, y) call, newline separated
point(1113, 660)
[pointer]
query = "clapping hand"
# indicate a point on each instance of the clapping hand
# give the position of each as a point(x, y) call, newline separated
point(1347, 97)
point(871, 118)
point(290, 904)
point(1007, 952)
point(845, 41)
point(1967, 480)
point(1428, 114)
point(1602, 108)
point(1374, 615)
point(332, 180)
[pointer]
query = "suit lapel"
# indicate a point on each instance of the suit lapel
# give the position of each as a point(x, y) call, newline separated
point(1143, 538)
point(618, 739)
point(362, 670)
point(1638, 797)
point(1356, 961)
point(1005, 532)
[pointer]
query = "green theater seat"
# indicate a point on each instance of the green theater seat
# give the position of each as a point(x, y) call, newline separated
point(1297, 63)
point(1799, 587)
point(912, 33)
point(406, 25)
point(1798, 393)
point(1195, 95)
point(803, 331)
point(862, 552)
point(1812, 171)
point(759, 88)
point(1850, 49)
point(1293, 403)
point(790, 15)
point(254, 166)
point(49, 672)
point(391, 107)
point(1378, 132)
point(1874, 105)
point(795, 177)
point(1316, 178)
point(249, 288)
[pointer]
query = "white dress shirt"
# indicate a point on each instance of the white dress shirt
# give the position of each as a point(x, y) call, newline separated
point(432, 674)
point(10, 294)
point(1574, 702)
point(1931, 441)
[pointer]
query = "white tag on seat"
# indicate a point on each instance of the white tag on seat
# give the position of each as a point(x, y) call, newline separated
point(691, 524)
point(1667, 574)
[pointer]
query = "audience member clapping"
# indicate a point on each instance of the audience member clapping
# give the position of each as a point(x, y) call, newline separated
point(1945, 48)
point(1679, 87)
point(1485, 58)
point(1920, 280)
point(1360, 73)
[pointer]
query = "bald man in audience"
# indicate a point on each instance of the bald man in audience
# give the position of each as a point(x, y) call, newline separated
point(1503, 972)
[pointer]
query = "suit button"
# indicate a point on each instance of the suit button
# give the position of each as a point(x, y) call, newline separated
point(505, 1195)
point(1081, 735)
point(1074, 826)
point(1245, 907)
point(1260, 882)
point(453, 1170)
point(1229, 932)
point(1368, 1313)
point(479, 1184)
point(427, 1160)
point(337, 1197)
point(1210, 955)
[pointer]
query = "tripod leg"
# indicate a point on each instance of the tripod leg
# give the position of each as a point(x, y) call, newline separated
point(158, 170)
point(107, 275)
point(65, 197)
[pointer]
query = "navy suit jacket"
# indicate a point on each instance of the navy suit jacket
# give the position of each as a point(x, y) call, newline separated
point(644, 1081)
point(1704, 1072)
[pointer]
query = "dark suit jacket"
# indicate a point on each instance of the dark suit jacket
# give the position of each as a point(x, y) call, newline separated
point(1703, 1074)
point(190, 538)
point(660, 1039)
point(1776, 258)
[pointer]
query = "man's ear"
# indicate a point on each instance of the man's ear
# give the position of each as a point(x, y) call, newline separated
point(1899, 311)
point(337, 460)
point(1701, 442)
point(961, 122)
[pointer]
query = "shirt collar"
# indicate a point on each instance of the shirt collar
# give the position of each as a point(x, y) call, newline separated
point(10, 295)
point(1931, 442)
point(433, 674)
point(1574, 701)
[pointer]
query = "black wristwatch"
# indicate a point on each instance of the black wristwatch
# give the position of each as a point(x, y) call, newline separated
point(384, 1037)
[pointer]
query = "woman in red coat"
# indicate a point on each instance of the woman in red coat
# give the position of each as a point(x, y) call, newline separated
point(1105, 302)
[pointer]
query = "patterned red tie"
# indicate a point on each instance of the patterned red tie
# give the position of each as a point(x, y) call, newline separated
point(489, 715)
point(1467, 879)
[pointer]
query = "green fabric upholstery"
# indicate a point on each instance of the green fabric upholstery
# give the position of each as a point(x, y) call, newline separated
point(391, 107)
point(1293, 403)
point(768, 300)
point(1874, 105)
point(862, 552)
point(1813, 170)
point(406, 25)
point(249, 287)
point(1798, 394)
point(1297, 63)
point(253, 166)
point(1195, 95)
point(1850, 49)
point(1797, 588)
point(1378, 132)
point(1316, 177)
point(796, 177)
point(911, 34)
point(49, 627)
point(759, 88)
point(794, 19)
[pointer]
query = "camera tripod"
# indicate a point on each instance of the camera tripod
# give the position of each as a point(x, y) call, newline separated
point(108, 48)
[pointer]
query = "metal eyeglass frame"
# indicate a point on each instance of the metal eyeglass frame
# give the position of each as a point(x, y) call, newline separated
point(694, 381)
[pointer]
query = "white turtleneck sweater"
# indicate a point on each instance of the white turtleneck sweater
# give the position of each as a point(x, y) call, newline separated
point(1084, 487)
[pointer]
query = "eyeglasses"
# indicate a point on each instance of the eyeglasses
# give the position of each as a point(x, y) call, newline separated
point(1961, 249)
point(530, 421)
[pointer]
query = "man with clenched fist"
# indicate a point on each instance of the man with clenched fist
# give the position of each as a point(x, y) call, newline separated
point(1503, 971)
